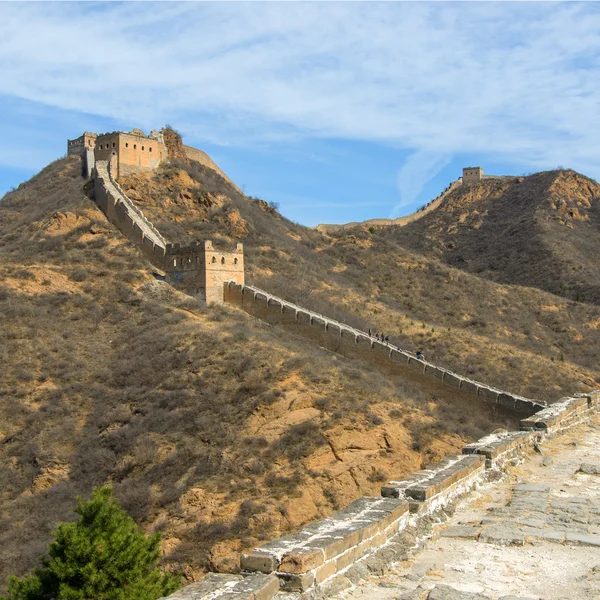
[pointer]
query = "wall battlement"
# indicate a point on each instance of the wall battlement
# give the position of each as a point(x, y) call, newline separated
point(400, 221)
point(354, 343)
point(334, 553)
point(199, 269)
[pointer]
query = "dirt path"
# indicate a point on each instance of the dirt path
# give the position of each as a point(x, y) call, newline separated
point(536, 535)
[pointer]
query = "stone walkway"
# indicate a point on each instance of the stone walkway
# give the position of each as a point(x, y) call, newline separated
point(534, 535)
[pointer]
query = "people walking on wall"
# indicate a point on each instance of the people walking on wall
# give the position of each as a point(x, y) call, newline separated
point(387, 339)
point(420, 355)
point(369, 332)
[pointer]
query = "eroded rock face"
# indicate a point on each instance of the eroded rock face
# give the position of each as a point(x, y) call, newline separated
point(238, 227)
point(174, 144)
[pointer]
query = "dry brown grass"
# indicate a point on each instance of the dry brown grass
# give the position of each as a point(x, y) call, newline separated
point(213, 428)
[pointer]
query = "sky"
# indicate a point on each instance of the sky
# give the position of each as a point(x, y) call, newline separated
point(338, 111)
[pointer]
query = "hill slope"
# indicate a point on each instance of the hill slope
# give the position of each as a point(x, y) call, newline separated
point(539, 231)
point(212, 427)
point(521, 339)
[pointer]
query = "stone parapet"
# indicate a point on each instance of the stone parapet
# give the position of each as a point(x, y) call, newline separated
point(327, 548)
point(563, 413)
point(229, 587)
point(355, 343)
point(400, 221)
point(499, 447)
point(439, 484)
point(137, 214)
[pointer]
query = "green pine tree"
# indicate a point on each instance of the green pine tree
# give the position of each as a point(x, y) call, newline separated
point(103, 556)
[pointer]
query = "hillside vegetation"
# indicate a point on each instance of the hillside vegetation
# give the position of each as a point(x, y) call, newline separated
point(539, 231)
point(213, 428)
point(519, 338)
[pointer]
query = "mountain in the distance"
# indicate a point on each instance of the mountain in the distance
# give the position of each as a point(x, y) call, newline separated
point(539, 231)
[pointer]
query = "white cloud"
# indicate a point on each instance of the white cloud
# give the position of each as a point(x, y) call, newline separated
point(514, 81)
point(419, 168)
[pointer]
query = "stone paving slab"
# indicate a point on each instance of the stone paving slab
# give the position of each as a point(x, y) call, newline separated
point(533, 535)
point(229, 587)
point(462, 531)
point(553, 415)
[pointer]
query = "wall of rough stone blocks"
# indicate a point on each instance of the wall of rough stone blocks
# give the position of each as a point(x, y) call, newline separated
point(370, 531)
point(134, 152)
point(119, 211)
point(356, 344)
point(207, 161)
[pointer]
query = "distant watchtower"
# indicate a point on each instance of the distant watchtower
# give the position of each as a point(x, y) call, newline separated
point(472, 174)
point(203, 270)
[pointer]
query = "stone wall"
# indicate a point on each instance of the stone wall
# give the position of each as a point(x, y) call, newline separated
point(134, 151)
point(357, 344)
point(400, 221)
point(333, 553)
point(89, 163)
point(126, 216)
point(205, 160)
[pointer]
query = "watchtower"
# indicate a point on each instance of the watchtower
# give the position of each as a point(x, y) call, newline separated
point(472, 174)
point(84, 142)
point(203, 270)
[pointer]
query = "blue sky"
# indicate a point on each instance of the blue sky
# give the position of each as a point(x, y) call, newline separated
point(339, 111)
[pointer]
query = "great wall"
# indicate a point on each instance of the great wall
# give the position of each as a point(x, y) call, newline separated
point(470, 175)
point(329, 555)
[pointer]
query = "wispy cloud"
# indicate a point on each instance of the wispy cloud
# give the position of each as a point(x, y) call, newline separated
point(514, 81)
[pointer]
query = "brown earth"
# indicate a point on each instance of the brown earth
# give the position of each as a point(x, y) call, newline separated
point(213, 428)
point(538, 231)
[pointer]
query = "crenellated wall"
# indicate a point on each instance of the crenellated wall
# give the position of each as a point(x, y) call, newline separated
point(200, 270)
point(400, 221)
point(123, 213)
point(354, 343)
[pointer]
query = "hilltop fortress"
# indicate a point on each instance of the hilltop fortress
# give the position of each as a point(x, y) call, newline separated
point(134, 151)
point(199, 268)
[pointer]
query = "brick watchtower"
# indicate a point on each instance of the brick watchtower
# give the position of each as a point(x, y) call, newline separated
point(472, 174)
point(202, 270)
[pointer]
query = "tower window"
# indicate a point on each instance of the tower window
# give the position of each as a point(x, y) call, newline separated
point(126, 144)
point(150, 149)
point(214, 259)
point(235, 261)
point(142, 147)
point(114, 144)
point(135, 146)
point(222, 260)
